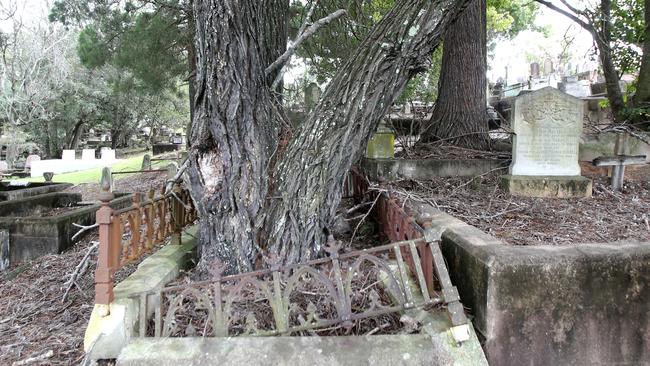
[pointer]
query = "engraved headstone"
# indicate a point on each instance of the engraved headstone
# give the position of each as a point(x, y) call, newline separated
point(68, 155)
point(547, 125)
point(88, 154)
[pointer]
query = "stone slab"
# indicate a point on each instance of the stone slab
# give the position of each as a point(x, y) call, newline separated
point(423, 169)
point(547, 186)
point(105, 337)
point(415, 349)
point(9, 192)
point(547, 126)
point(586, 304)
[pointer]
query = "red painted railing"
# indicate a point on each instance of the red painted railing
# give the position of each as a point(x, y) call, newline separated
point(126, 235)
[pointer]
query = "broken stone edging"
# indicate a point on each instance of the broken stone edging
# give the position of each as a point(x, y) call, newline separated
point(424, 169)
point(543, 305)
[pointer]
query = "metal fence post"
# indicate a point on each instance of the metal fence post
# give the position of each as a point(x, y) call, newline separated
point(108, 252)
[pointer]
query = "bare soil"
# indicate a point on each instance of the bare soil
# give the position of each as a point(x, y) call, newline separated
point(606, 217)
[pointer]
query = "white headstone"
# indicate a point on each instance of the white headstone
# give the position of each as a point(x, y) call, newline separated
point(88, 154)
point(547, 124)
point(30, 159)
point(68, 155)
point(3, 166)
point(108, 154)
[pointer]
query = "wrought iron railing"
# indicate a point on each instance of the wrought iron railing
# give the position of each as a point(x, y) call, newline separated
point(126, 235)
point(282, 300)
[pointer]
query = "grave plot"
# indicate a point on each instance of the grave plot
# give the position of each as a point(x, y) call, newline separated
point(399, 293)
point(43, 224)
point(13, 190)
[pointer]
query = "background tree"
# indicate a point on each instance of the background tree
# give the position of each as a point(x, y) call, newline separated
point(459, 116)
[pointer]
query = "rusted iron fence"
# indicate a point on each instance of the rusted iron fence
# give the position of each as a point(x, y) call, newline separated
point(281, 300)
point(126, 235)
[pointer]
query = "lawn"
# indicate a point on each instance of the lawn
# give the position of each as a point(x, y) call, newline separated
point(94, 175)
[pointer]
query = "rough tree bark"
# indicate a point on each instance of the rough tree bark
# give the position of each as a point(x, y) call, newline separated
point(258, 188)
point(643, 83)
point(459, 116)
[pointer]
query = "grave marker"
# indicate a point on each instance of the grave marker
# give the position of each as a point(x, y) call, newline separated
point(619, 161)
point(68, 155)
point(146, 162)
point(547, 124)
point(30, 159)
point(108, 154)
point(3, 166)
point(88, 154)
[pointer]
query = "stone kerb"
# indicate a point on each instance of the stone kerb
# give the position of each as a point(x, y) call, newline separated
point(549, 305)
point(106, 336)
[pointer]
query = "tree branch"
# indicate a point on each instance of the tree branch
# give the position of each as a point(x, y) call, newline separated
point(281, 61)
point(567, 14)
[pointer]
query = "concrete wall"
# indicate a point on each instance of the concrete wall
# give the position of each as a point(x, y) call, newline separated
point(8, 192)
point(394, 169)
point(34, 236)
point(586, 304)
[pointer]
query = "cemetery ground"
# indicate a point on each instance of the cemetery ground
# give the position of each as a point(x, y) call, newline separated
point(37, 323)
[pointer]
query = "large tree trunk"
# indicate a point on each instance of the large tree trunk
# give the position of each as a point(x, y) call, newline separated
point(253, 191)
point(643, 83)
point(459, 116)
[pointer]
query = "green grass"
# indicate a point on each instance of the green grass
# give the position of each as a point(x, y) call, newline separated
point(95, 174)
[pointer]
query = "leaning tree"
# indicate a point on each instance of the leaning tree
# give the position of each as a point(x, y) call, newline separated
point(258, 185)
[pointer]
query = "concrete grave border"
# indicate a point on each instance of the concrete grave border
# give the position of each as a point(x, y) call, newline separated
point(106, 336)
point(549, 305)
point(423, 169)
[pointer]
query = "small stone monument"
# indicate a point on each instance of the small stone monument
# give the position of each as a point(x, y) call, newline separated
point(312, 96)
point(107, 178)
point(88, 154)
point(48, 176)
point(547, 125)
point(3, 166)
point(30, 159)
point(108, 154)
point(146, 162)
point(382, 144)
point(68, 155)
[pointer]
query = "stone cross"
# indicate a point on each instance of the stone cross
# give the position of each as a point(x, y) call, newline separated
point(619, 161)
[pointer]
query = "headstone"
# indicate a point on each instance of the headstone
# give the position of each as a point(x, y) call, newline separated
point(108, 154)
point(547, 127)
point(382, 144)
point(3, 166)
point(534, 70)
point(48, 176)
point(68, 155)
point(312, 96)
point(172, 169)
point(30, 159)
point(146, 162)
point(5, 253)
point(107, 178)
point(548, 66)
point(88, 154)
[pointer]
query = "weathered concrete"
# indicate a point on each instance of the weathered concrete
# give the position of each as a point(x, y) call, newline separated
point(547, 186)
point(32, 236)
point(413, 349)
point(12, 192)
point(395, 169)
point(550, 305)
point(106, 336)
